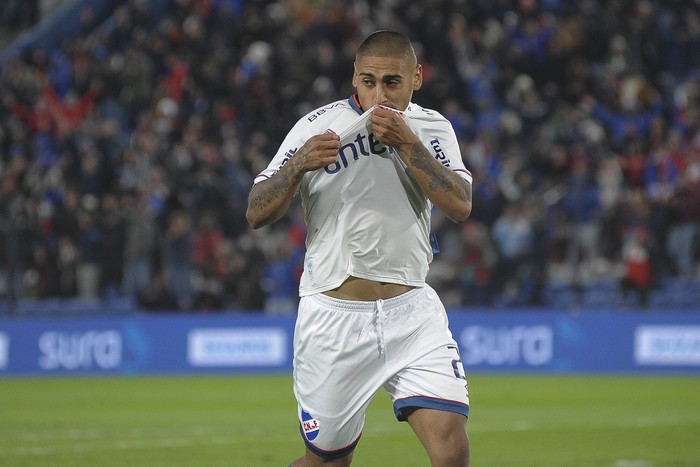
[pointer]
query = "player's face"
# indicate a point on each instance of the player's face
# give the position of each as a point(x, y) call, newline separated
point(386, 80)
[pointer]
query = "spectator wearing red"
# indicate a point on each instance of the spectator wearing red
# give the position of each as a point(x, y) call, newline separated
point(636, 259)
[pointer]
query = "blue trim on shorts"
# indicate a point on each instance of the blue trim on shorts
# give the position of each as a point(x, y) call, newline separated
point(330, 455)
point(426, 402)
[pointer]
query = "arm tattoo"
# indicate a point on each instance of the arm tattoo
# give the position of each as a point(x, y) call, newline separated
point(440, 178)
point(270, 191)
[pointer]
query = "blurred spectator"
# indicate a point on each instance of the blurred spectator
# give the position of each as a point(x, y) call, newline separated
point(244, 271)
point(89, 244)
point(581, 208)
point(158, 296)
point(113, 227)
point(280, 279)
point(513, 235)
point(476, 264)
point(208, 260)
point(67, 267)
point(19, 14)
point(177, 259)
point(43, 277)
point(684, 233)
point(636, 262)
point(636, 106)
point(140, 240)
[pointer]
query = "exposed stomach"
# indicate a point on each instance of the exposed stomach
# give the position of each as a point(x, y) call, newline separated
point(355, 288)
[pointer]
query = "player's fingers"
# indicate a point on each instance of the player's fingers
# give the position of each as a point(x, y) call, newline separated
point(327, 141)
point(381, 130)
point(325, 137)
point(319, 162)
point(381, 114)
point(382, 126)
point(376, 119)
point(319, 154)
point(329, 145)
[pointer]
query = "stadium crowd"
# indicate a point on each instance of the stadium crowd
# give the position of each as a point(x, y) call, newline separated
point(127, 152)
point(17, 15)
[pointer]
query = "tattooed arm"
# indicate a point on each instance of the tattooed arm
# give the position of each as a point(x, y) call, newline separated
point(443, 187)
point(270, 199)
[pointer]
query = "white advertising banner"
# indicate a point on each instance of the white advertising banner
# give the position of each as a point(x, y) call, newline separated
point(4, 350)
point(667, 345)
point(236, 347)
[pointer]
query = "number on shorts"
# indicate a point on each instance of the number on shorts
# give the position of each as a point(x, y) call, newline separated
point(457, 364)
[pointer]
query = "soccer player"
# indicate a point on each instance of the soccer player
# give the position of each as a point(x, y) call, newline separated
point(369, 169)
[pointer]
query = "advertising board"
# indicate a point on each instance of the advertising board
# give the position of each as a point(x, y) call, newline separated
point(507, 341)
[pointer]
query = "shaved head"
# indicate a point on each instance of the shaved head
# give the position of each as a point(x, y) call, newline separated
point(387, 44)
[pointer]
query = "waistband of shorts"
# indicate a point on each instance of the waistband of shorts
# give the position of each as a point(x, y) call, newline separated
point(366, 306)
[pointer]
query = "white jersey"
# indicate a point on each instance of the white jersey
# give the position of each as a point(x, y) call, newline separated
point(365, 214)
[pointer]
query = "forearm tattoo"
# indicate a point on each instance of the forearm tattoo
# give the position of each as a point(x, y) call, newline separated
point(272, 191)
point(439, 178)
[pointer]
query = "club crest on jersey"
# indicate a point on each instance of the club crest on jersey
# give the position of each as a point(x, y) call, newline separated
point(309, 425)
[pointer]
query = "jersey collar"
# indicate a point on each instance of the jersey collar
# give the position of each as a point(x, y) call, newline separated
point(354, 102)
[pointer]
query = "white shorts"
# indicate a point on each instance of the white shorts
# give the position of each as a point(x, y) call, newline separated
point(344, 351)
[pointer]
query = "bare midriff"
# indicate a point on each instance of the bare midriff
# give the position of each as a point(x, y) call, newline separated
point(355, 288)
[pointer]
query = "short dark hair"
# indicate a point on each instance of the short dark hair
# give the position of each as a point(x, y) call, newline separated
point(385, 43)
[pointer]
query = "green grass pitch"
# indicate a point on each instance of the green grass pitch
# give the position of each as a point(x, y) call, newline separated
point(250, 421)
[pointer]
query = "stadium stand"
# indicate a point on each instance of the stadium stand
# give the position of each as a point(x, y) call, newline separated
point(131, 131)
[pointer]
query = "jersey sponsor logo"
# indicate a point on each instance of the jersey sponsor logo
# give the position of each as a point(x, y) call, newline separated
point(310, 425)
point(440, 155)
point(323, 110)
point(287, 155)
point(363, 145)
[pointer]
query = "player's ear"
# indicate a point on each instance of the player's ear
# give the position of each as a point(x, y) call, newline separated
point(354, 74)
point(418, 77)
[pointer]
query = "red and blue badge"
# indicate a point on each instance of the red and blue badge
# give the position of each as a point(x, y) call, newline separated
point(309, 425)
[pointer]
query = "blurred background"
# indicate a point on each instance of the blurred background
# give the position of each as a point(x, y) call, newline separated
point(131, 131)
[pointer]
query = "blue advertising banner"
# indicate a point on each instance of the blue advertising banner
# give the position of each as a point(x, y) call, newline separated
point(513, 341)
point(146, 344)
point(586, 342)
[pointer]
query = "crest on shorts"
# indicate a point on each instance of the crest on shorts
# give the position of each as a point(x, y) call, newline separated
point(309, 425)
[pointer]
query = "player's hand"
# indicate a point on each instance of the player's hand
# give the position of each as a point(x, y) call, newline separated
point(318, 151)
point(391, 129)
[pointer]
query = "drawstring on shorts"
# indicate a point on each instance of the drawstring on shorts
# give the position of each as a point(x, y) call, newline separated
point(377, 320)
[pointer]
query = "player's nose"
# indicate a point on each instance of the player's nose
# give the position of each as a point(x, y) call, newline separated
point(380, 96)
